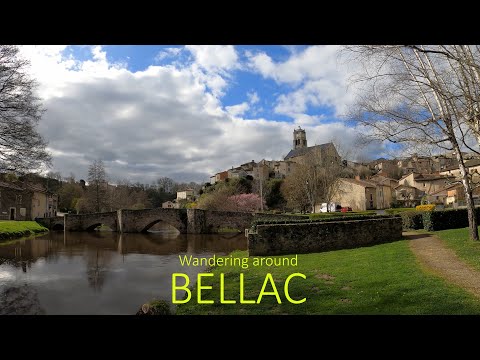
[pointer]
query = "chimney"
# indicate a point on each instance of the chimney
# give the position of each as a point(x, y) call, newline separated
point(357, 177)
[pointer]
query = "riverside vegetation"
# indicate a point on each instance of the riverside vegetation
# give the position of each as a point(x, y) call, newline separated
point(10, 229)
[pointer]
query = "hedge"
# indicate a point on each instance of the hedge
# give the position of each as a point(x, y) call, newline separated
point(447, 219)
point(412, 220)
point(329, 219)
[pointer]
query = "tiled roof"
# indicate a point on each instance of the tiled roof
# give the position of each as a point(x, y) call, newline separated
point(4, 184)
point(360, 182)
point(448, 187)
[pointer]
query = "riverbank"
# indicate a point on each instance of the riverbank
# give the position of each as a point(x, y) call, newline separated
point(382, 279)
point(10, 229)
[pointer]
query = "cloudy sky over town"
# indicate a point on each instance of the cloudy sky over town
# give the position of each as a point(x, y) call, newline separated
point(187, 112)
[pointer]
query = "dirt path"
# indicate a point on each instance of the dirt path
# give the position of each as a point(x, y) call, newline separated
point(435, 256)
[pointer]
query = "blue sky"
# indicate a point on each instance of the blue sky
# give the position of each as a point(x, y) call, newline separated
point(188, 111)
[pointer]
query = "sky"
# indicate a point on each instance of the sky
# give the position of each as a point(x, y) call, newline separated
point(188, 112)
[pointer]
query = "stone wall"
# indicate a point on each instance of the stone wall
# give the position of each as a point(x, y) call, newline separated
point(281, 239)
point(135, 221)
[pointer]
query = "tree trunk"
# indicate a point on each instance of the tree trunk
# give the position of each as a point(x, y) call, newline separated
point(472, 218)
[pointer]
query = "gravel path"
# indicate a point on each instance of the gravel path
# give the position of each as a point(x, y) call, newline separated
point(435, 256)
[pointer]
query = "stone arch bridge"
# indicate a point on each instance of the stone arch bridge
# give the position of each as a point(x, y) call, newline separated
point(191, 221)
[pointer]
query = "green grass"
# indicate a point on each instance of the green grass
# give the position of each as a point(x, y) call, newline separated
point(459, 241)
point(15, 229)
point(394, 211)
point(382, 279)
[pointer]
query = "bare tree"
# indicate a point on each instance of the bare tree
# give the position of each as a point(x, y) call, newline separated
point(318, 171)
point(167, 184)
point(416, 95)
point(293, 191)
point(97, 186)
point(22, 148)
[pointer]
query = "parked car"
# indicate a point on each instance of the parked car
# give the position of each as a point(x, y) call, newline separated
point(332, 207)
point(346, 209)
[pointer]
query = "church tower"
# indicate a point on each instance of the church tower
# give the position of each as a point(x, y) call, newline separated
point(299, 138)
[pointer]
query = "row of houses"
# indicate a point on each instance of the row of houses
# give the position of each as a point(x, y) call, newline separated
point(380, 192)
point(396, 168)
point(280, 169)
point(24, 201)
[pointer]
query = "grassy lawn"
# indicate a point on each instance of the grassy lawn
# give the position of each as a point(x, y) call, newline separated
point(382, 279)
point(394, 211)
point(466, 249)
point(15, 229)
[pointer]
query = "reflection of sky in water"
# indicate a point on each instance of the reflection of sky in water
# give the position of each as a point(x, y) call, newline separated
point(104, 273)
point(6, 275)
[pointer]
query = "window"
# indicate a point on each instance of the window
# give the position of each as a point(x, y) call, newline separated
point(424, 184)
point(371, 196)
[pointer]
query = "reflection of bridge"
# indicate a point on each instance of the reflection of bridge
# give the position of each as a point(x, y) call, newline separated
point(189, 221)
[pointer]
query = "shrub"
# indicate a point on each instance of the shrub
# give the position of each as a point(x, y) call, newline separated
point(445, 219)
point(412, 220)
point(428, 207)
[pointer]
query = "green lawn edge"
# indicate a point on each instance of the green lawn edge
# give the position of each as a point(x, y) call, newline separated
point(466, 249)
point(383, 279)
point(10, 229)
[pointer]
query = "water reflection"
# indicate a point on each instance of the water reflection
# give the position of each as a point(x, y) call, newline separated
point(99, 272)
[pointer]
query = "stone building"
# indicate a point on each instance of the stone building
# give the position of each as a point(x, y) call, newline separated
point(322, 154)
point(26, 201)
point(168, 205)
point(187, 194)
point(15, 203)
point(428, 183)
point(473, 167)
point(408, 196)
point(360, 195)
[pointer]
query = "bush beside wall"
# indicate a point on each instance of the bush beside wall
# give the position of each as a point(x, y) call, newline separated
point(412, 220)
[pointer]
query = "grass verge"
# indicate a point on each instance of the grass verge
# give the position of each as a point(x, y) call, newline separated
point(15, 229)
point(466, 249)
point(382, 279)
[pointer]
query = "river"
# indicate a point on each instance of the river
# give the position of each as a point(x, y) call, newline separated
point(99, 272)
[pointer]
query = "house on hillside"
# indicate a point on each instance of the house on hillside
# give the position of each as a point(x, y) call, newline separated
point(187, 194)
point(408, 196)
point(428, 183)
point(473, 167)
point(385, 190)
point(168, 205)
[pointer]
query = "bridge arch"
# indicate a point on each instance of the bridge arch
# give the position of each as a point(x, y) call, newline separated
point(154, 222)
point(142, 220)
point(58, 226)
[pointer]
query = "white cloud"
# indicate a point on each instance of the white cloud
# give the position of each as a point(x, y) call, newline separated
point(317, 75)
point(239, 109)
point(167, 53)
point(162, 121)
point(214, 58)
point(253, 97)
